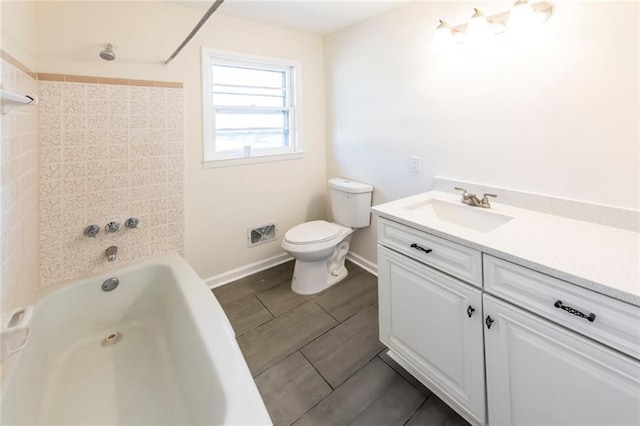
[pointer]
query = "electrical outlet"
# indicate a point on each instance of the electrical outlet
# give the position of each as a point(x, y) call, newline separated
point(415, 164)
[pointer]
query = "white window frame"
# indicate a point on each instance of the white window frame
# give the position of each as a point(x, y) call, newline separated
point(218, 159)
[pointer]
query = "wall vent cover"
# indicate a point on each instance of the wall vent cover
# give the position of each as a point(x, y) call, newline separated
point(262, 234)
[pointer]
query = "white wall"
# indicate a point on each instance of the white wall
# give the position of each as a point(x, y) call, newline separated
point(18, 35)
point(220, 203)
point(556, 116)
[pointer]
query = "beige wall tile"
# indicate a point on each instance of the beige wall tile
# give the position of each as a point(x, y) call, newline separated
point(19, 191)
point(105, 156)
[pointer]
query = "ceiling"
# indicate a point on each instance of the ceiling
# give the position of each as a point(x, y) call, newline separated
point(312, 16)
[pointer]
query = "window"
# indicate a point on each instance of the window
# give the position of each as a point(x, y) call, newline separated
point(249, 108)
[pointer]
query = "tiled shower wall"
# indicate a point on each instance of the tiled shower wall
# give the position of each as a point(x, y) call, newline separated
point(18, 194)
point(108, 152)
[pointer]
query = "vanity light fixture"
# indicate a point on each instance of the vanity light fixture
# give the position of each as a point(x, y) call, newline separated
point(522, 16)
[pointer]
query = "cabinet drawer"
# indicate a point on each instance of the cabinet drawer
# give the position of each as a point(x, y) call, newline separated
point(454, 259)
point(615, 323)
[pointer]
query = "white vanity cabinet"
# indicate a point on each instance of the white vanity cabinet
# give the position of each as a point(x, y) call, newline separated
point(546, 358)
point(433, 322)
point(541, 374)
point(503, 344)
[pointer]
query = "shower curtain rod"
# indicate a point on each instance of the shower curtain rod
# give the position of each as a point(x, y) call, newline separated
point(195, 29)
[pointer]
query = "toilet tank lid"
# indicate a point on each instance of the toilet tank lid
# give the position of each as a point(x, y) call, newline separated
point(350, 186)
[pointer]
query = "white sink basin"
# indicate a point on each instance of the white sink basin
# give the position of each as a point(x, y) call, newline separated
point(476, 218)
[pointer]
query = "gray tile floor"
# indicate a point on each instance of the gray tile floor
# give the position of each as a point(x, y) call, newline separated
point(317, 359)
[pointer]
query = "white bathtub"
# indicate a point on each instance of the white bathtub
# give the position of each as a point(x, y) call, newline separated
point(177, 361)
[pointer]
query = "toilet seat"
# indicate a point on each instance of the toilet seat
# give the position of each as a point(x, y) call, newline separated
point(316, 231)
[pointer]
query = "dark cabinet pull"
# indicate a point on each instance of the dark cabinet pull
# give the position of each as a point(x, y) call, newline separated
point(591, 317)
point(470, 311)
point(417, 247)
point(489, 321)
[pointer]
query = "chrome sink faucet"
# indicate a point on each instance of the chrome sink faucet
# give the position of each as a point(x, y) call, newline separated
point(473, 200)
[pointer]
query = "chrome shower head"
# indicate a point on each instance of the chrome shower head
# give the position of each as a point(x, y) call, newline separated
point(107, 54)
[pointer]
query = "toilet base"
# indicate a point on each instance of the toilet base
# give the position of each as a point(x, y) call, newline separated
point(312, 278)
point(316, 276)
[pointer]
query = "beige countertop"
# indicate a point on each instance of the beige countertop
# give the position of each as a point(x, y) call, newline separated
point(600, 258)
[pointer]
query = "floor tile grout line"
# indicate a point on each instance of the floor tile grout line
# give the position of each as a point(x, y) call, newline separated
point(394, 369)
point(417, 409)
point(316, 296)
point(252, 281)
point(257, 325)
point(338, 322)
point(317, 371)
point(332, 388)
point(287, 278)
point(298, 348)
point(329, 313)
point(273, 316)
point(354, 373)
point(334, 326)
point(350, 316)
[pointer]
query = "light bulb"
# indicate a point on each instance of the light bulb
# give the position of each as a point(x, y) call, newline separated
point(521, 18)
point(443, 38)
point(477, 28)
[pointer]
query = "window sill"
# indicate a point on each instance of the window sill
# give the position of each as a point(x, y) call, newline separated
point(211, 164)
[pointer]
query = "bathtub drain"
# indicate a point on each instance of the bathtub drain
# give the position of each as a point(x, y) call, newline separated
point(111, 339)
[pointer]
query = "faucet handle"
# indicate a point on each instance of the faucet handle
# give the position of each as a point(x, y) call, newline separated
point(91, 230)
point(111, 227)
point(457, 188)
point(485, 201)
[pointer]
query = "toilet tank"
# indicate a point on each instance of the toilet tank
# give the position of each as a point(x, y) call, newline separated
point(350, 202)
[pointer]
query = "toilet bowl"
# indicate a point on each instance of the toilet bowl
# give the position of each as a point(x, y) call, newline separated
point(320, 247)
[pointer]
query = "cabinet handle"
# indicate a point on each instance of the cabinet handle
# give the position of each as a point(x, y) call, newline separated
point(470, 311)
point(489, 321)
point(591, 317)
point(419, 248)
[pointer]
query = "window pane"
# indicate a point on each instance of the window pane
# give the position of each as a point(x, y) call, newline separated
point(234, 141)
point(226, 74)
point(252, 106)
point(247, 100)
point(251, 120)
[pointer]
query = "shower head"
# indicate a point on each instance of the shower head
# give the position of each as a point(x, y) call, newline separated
point(107, 54)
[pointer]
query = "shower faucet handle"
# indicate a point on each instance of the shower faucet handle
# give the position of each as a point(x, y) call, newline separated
point(131, 223)
point(91, 231)
point(112, 227)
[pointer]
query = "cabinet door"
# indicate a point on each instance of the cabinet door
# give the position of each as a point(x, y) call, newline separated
point(539, 373)
point(434, 323)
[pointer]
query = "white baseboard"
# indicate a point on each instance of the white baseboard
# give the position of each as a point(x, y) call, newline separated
point(363, 263)
point(245, 271)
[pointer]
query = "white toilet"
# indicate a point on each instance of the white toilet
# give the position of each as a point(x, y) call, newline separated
point(320, 247)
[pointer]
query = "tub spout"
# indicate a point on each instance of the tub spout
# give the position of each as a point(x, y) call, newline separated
point(111, 253)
